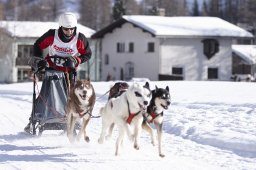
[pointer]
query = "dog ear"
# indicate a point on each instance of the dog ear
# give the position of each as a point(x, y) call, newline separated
point(156, 87)
point(167, 88)
point(146, 85)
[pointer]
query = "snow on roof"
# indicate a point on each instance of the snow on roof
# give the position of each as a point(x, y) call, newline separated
point(36, 29)
point(187, 26)
point(247, 52)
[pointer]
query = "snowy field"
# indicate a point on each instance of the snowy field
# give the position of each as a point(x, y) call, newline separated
point(209, 126)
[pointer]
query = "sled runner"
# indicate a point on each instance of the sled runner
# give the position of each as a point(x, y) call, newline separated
point(48, 111)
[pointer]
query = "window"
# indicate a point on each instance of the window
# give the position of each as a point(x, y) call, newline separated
point(24, 75)
point(106, 59)
point(151, 47)
point(212, 73)
point(120, 47)
point(177, 70)
point(25, 52)
point(211, 47)
point(129, 70)
point(131, 47)
point(82, 74)
point(177, 74)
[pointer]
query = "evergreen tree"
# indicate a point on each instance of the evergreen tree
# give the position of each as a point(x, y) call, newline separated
point(215, 8)
point(118, 9)
point(230, 11)
point(195, 9)
point(205, 10)
point(132, 7)
point(153, 11)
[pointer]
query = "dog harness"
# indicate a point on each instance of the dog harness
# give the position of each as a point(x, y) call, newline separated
point(131, 115)
point(82, 112)
point(153, 115)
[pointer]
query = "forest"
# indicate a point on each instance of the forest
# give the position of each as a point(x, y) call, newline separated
point(96, 14)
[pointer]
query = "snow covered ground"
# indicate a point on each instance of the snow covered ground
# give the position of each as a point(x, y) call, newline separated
point(210, 125)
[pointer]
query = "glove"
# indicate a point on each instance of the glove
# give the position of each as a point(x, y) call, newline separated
point(41, 64)
point(73, 59)
point(70, 63)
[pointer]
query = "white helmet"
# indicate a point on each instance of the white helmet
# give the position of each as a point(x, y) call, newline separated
point(67, 20)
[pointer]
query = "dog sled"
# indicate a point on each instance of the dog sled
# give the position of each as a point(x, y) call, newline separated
point(48, 110)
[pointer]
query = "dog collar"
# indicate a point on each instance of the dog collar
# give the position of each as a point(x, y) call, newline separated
point(82, 113)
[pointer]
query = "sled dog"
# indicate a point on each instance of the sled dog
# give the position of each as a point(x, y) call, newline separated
point(80, 104)
point(160, 101)
point(126, 111)
point(117, 89)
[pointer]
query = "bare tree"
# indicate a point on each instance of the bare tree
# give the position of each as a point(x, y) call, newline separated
point(132, 7)
point(30, 10)
point(1, 11)
point(45, 10)
point(171, 7)
point(247, 11)
point(95, 13)
point(215, 8)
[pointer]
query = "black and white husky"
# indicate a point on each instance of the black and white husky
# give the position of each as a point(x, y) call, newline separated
point(125, 111)
point(160, 101)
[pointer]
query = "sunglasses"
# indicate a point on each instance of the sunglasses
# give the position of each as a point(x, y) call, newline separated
point(66, 29)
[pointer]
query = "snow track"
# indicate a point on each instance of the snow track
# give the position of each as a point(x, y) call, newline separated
point(203, 129)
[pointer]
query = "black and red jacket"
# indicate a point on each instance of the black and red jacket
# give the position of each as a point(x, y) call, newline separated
point(47, 39)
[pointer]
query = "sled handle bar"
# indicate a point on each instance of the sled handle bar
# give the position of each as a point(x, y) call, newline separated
point(55, 57)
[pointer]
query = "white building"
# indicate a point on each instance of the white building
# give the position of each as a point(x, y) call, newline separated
point(16, 48)
point(244, 62)
point(168, 48)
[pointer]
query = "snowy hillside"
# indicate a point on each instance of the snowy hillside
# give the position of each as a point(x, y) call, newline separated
point(210, 125)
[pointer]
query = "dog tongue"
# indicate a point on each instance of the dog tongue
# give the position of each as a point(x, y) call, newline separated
point(83, 97)
point(165, 107)
point(143, 107)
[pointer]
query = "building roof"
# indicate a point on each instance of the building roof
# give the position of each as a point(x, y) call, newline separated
point(36, 29)
point(160, 26)
point(246, 52)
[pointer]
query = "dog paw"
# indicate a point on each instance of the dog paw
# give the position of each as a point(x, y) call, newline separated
point(153, 143)
point(116, 153)
point(108, 137)
point(71, 140)
point(87, 139)
point(161, 155)
point(136, 147)
point(100, 141)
